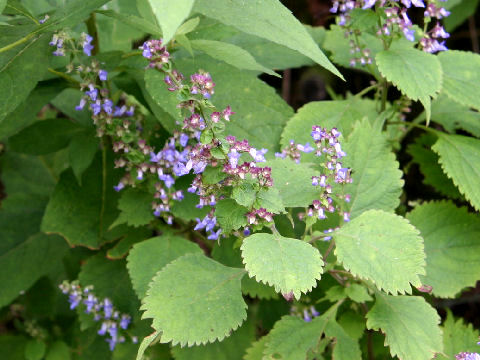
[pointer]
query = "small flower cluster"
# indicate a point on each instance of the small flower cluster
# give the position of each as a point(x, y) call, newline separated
point(468, 355)
point(156, 52)
point(112, 322)
point(308, 313)
point(202, 84)
point(293, 151)
point(61, 39)
point(209, 222)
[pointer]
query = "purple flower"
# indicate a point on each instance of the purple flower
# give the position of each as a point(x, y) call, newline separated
point(368, 4)
point(87, 46)
point(107, 308)
point(199, 167)
point(102, 74)
point(258, 155)
point(103, 329)
point(119, 187)
point(306, 316)
point(305, 148)
point(280, 155)
point(214, 235)
point(314, 311)
point(146, 51)
point(183, 140)
point(96, 107)
point(108, 106)
point(346, 216)
point(59, 52)
point(81, 105)
point(90, 302)
point(92, 93)
point(167, 179)
point(246, 231)
point(233, 157)
point(74, 299)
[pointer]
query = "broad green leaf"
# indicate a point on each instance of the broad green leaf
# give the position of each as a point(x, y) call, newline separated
point(255, 289)
point(461, 80)
point(294, 182)
point(19, 74)
point(290, 265)
point(58, 350)
point(2, 5)
point(231, 348)
point(460, 160)
point(459, 12)
point(260, 113)
point(292, 337)
point(110, 279)
point(130, 238)
point(268, 19)
point(135, 207)
point(384, 248)
point(357, 293)
point(428, 162)
point(35, 350)
point(188, 26)
point(171, 14)
point(452, 246)
point(244, 194)
point(376, 177)
point(458, 337)
point(44, 137)
point(255, 352)
point(346, 347)
point(81, 152)
point(230, 215)
point(453, 115)
point(415, 73)
point(231, 54)
point(271, 200)
point(341, 114)
point(353, 323)
point(410, 326)
point(133, 21)
point(195, 287)
point(75, 211)
point(66, 101)
point(150, 256)
point(31, 253)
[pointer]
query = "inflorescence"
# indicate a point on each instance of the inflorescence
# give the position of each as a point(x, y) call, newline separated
point(113, 323)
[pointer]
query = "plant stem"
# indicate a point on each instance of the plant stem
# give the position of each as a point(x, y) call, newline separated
point(64, 76)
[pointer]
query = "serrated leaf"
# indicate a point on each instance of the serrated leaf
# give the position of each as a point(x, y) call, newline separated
point(460, 160)
point(231, 348)
point(135, 208)
point(244, 194)
point(292, 337)
point(255, 352)
point(458, 337)
point(451, 244)
point(415, 73)
point(230, 215)
point(376, 178)
point(255, 289)
point(195, 287)
point(260, 111)
point(271, 200)
point(384, 248)
point(346, 348)
point(294, 182)
point(231, 54)
point(290, 265)
point(410, 325)
point(170, 15)
point(453, 115)
point(150, 256)
point(430, 167)
point(268, 19)
point(460, 76)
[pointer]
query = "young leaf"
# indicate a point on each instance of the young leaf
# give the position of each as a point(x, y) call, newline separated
point(384, 248)
point(290, 265)
point(268, 19)
point(410, 325)
point(255, 352)
point(460, 160)
point(461, 80)
point(376, 178)
point(230, 215)
point(451, 246)
point(415, 73)
point(35, 350)
point(244, 194)
point(195, 287)
point(135, 208)
point(170, 15)
point(150, 256)
point(231, 54)
point(271, 200)
point(458, 337)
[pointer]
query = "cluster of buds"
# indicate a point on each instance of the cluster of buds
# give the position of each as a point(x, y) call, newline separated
point(294, 151)
point(362, 54)
point(255, 215)
point(202, 84)
point(156, 52)
point(112, 322)
point(61, 39)
point(308, 313)
point(468, 355)
point(209, 222)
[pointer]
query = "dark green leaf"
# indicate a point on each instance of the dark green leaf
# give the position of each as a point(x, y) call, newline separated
point(230, 215)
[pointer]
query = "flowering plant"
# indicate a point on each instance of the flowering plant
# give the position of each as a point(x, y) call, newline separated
point(160, 200)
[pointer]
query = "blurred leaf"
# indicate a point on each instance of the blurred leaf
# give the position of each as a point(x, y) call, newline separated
point(170, 15)
point(58, 351)
point(459, 12)
point(81, 152)
point(133, 21)
point(35, 350)
point(452, 116)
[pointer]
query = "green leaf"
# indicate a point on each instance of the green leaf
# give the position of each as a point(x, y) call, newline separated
point(415, 73)
point(255, 352)
point(271, 200)
point(213, 175)
point(231, 54)
point(244, 194)
point(453, 115)
point(81, 152)
point(58, 350)
point(459, 12)
point(255, 289)
point(19, 74)
point(231, 348)
point(353, 323)
point(13, 346)
point(195, 287)
point(293, 338)
point(451, 245)
point(133, 21)
point(260, 112)
point(458, 337)
point(67, 100)
point(35, 350)
point(410, 325)
point(188, 26)
point(75, 211)
point(170, 15)
point(31, 253)
point(376, 178)
point(460, 76)
point(293, 181)
point(460, 160)
point(289, 265)
point(150, 256)
point(429, 165)
point(384, 248)
point(230, 215)
point(268, 19)
point(135, 207)
point(131, 237)
point(44, 137)
point(346, 348)
point(358, 293)
point(2, 5)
